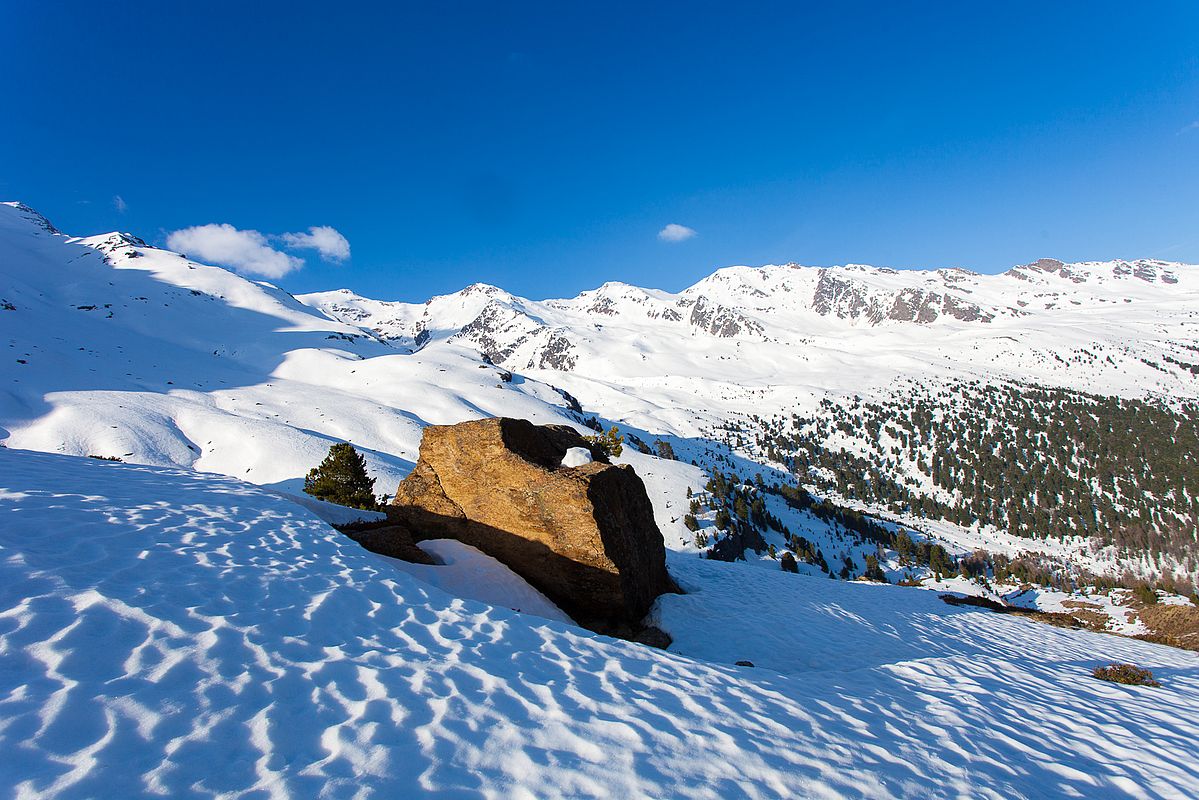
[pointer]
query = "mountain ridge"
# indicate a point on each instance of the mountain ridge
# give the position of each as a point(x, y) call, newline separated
point(1072, 305)
point(119, 349)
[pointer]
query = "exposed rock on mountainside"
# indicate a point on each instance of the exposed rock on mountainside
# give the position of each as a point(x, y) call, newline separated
point(718, 320)
point(845, 296)
point(585, 536)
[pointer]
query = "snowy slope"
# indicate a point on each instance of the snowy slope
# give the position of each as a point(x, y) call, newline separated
point(122, 350)
point(169, 633)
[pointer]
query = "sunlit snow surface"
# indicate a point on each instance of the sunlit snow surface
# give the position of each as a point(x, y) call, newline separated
point(169, 633)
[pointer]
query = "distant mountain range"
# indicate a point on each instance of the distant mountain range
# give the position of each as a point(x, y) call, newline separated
point(1128, 327)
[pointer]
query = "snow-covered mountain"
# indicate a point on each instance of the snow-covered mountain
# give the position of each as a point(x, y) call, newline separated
point(168, 628)
point(761, 360)
point(788, 325)
point(119, 349)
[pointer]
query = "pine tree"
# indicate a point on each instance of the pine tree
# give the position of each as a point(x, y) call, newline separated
point(740, 508)
point(610, 443)
point(873, 571)
point(341, 478)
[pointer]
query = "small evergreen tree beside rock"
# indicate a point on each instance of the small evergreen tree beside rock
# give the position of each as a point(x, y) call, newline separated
point(341, 478)
point(610, 444)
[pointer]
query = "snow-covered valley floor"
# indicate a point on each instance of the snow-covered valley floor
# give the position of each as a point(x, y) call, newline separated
point(170, 633)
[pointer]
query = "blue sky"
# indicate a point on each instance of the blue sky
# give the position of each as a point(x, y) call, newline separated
point(543, 147)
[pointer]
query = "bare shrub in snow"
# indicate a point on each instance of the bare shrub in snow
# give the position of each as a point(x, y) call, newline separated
point(1129, 674)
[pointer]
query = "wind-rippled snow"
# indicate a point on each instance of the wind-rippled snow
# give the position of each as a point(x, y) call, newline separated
point(169, 633)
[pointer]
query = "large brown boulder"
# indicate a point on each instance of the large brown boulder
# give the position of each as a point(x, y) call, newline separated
point(584, 536)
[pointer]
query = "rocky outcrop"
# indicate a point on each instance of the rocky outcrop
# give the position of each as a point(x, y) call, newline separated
point(584, 536)
point(732, 547)
point(846, 297)
point(719, 320)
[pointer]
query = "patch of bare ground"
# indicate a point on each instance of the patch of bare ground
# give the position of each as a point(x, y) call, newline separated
point(1051, 617)
point(1173, 625)
point(1177, 626)
point(1090, 614)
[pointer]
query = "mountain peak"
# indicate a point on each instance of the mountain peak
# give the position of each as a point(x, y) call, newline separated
point(484, 289)
point(22, 213)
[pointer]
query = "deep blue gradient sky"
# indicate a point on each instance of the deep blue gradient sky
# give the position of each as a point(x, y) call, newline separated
point(541, 147)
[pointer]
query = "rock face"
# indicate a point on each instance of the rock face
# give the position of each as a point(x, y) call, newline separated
point(583, 535)
point(395, 541)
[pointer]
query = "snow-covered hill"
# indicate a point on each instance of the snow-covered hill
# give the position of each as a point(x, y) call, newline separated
point(119, 349)
point(171, 629)
point(169, 633)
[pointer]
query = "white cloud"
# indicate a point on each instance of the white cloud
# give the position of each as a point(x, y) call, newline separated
point(244, 251)
point(322, 238)
point(119, 204)
point(1188, 128)
point(675, 233)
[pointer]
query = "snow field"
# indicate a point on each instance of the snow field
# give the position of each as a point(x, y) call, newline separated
point(164, 632)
